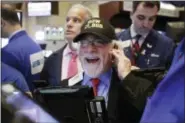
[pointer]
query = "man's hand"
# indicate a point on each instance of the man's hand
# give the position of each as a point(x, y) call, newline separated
point(135, 68)
point(122, 62)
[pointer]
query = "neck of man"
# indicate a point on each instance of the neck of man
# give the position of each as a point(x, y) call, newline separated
point(108, 67)
point(71, 45)
point(14, 28)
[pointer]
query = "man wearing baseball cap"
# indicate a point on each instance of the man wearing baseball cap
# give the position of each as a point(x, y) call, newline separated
point(107, 70)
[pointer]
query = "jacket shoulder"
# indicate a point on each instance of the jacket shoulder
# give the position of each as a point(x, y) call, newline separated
point(162, 38)
point(56, 54)
point(124, 35)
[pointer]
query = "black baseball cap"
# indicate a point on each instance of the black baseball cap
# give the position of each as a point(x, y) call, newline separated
point(98, 27)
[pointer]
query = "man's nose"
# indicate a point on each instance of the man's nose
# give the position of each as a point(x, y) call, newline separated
point(69, 23)
point(91, 48)
point(146, 23)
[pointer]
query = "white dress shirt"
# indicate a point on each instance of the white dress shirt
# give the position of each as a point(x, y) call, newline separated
point(65, 63)
point(133, 34)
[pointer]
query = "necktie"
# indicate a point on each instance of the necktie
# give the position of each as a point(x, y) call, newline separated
point(72, 68)
point(136, 49)
point(95, 83)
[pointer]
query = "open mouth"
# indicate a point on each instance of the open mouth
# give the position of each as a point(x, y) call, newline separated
point(92, 60)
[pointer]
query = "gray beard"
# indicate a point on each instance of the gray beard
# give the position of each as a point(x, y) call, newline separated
point(92, 71)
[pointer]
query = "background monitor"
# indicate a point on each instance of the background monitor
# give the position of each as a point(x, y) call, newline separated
point(175, 30)
point(39, 8)
point(67, 104)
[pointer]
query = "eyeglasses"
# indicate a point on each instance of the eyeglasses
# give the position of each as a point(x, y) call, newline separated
point(95, 42)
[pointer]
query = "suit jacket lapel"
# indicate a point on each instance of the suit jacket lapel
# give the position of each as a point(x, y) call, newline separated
point(56, 67)
point(126, 35)
point(149, 43)
point(113, 95)
point(61, 60)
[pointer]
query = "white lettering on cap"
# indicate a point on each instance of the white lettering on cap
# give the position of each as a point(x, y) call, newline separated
point(94, 24)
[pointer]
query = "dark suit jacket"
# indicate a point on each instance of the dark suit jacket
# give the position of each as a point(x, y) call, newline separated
point(159, 49)
point(52, 68)
point(126, 99)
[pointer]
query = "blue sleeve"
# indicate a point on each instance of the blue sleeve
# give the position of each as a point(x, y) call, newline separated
point(17, 55)
point(9, 74)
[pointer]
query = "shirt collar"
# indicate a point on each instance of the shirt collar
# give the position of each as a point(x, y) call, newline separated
point(133, 32)
point(67, 50)
point(14, 33)
point(105, 78)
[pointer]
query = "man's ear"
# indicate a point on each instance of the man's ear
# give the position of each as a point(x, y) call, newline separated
point(117, 44)
point(131, 15)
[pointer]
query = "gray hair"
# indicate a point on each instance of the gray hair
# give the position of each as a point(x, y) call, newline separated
point(89, 14)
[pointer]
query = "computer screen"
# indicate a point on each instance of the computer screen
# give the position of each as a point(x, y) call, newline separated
point(22, 108)
point(67, 104)
point(155, 74)
point(175, 30)
point(39, 8)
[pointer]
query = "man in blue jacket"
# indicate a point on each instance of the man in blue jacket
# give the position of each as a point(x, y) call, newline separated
point(144, 46)
point(167, 102)
point(21, 52)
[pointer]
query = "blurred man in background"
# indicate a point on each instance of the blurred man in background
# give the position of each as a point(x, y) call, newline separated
point(22, 53)
point(145, 47)
point(64, 63)
point(167, 103)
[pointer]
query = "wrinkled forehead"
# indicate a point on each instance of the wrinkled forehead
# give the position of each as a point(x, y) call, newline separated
point(77, 12)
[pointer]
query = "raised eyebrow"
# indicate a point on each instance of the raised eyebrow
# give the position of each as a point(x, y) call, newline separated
point(73, 17)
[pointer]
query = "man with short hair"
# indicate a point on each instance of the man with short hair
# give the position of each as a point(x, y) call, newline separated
point(167, 102)
point(64, 63)
point(144, 46)
point(107, 70)
point(20, 51)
